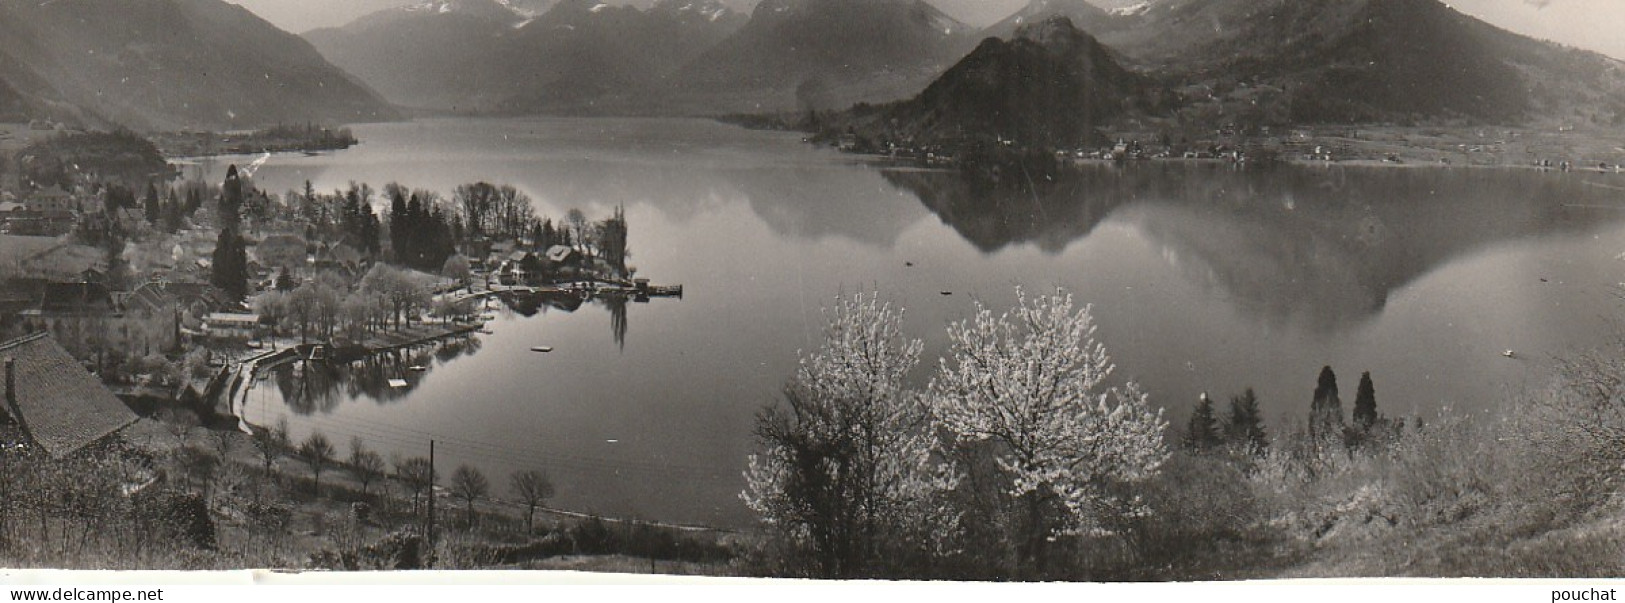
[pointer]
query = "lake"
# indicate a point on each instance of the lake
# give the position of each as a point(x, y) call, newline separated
point(1202, 278)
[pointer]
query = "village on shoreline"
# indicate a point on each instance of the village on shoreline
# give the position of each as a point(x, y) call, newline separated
point(1558, 148)
point(137, 312)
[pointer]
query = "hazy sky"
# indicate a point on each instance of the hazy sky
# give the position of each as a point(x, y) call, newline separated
point(1590, 24)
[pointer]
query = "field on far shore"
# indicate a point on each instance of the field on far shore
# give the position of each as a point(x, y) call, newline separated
point(1478, 147)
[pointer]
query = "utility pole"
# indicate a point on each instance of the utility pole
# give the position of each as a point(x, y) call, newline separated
point(430, 557)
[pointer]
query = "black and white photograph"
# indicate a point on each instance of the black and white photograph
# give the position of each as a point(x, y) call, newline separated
point(814, 291)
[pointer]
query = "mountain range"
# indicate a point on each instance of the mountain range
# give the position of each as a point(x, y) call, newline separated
point(494, 55)
point(823, 54)
point(1264, 61)
point(167, 64)
point(1364, 60)
point(1192, 64)
point(669, 56)
point(1189, 67)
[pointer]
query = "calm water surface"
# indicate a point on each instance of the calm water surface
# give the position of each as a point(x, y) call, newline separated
point(1202, 279)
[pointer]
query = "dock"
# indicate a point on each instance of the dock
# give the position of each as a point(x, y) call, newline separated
point(415, 335)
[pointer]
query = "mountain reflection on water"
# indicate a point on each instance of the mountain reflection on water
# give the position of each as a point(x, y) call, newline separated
point(1320, 247)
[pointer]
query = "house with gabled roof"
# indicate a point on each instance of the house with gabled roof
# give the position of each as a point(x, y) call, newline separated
point(52, 402)
point(162, 297)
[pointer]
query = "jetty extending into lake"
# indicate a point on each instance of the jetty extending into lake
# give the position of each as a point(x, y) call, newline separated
point(415, 335)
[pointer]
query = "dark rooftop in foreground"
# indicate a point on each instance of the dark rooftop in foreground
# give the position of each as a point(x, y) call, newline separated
point(61, 407)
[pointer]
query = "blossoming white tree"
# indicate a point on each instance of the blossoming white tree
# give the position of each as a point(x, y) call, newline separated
point(1030, 387)
point(849, 472)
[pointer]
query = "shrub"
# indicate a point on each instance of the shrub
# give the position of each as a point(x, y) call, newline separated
point(180, 516)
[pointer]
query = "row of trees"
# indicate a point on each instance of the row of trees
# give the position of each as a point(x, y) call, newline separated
point(530, 487)
point(421, 235)
point(1243, 425)
point(1241, 428)
point(497, 212)
point(1329, 428)
point(1016, 449)
point(326, 306)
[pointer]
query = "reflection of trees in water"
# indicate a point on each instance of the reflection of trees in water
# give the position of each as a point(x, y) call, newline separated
point(456, 348)
point(322, 387)
point(370, 377)
point(529, 305)
point(617, 318)
point(315, 388)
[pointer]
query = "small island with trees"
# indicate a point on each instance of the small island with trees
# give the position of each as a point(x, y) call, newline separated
point(301, 138)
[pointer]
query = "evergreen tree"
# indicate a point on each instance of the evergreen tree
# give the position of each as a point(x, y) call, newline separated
point(358, 225)
point(399, 224)
point(194, 200)
point(1244, 425)
point(230, 270)
point(612, 238)
point(1365, 404)
point(1203, 431)
point(370, 231)
point(548, 237)
point(1326, 411)
point(231, 200)
point(110, 202)
point(174, 218)
point(151, 206)
point(413, 231)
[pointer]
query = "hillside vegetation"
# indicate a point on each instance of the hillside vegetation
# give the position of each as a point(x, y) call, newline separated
point(167, 64)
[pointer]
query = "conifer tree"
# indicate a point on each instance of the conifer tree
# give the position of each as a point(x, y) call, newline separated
point(1365, 404)
point(1326, 411)
point(230, 269)
point(231, 200)
point(1244, 424)
point(399, 225)
point(150, 205)
point(173, 213)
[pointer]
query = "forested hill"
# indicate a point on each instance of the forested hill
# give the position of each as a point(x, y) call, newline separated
point(167, 64)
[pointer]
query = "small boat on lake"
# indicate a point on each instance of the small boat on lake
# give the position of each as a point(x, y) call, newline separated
point(1509, 354)
point(417, 368)
point(542, 349)
point(398, 383)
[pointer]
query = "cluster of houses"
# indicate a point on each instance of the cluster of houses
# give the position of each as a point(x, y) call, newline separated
point(153, 317)
point(47, 212)
point(171, 306)
point(511, 263)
